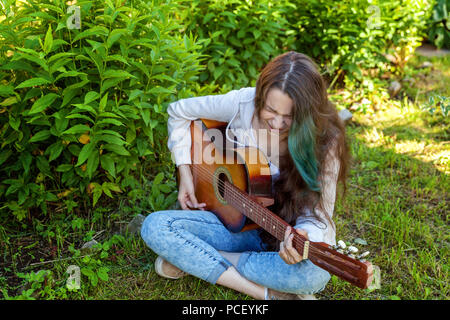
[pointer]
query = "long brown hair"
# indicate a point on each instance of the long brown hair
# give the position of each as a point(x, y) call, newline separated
point(316, 127)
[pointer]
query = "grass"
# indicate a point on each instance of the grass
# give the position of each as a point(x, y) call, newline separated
point(397, 201)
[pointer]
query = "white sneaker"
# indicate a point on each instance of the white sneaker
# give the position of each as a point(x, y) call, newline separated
point(167, 270)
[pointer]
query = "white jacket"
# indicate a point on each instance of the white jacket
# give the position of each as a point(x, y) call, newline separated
point(236, 108)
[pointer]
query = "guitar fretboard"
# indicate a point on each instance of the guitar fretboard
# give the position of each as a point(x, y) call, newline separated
point(259, 214)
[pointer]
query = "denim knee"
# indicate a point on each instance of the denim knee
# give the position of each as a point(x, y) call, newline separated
point(152, 226)
point(315, 282)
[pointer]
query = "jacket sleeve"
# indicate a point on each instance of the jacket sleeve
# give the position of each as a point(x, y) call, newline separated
point(328, 183)
point(215, 107)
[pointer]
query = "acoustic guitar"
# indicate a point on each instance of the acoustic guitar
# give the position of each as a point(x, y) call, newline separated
point(238, 190)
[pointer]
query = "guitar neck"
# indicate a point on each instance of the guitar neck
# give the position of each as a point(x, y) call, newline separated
point(260, 215)
point(348, 269)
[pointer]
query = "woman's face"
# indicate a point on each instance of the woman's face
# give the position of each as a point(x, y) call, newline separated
point(277, 111)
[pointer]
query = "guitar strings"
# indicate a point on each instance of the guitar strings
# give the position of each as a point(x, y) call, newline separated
point(221, 184)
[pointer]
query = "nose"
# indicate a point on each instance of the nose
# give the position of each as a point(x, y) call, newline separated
point(277, 122)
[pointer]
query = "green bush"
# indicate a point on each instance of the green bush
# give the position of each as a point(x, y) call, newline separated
point(238, 37)
point(346, 37)
point(336, 34)
point(404, 26)
point(82, 108)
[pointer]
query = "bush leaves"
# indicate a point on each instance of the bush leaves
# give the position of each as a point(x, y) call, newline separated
point(42, 103)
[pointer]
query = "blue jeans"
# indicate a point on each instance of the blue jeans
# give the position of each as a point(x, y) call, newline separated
point(191, 239)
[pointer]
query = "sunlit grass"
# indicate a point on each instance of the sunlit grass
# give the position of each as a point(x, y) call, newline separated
point(405, 131)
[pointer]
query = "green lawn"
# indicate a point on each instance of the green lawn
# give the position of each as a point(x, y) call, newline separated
point(397, 200)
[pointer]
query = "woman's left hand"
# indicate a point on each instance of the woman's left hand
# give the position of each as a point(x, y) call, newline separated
point(287, 252)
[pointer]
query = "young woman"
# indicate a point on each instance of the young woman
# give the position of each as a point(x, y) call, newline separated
point(290, 101)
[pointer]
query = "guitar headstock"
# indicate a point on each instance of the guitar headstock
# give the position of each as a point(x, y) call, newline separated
point(352, 251)
point(344, 261)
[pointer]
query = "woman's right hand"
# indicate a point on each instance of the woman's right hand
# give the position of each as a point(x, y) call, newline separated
point(186, 193)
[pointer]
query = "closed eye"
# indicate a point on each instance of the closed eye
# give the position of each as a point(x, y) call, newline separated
point(273, 111)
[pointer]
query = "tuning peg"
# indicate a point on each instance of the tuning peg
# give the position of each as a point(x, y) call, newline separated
point(352, 249)
point(342, 244)
point(363, 255)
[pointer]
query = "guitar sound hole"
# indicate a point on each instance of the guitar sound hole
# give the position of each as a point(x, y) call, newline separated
point(221, 184)
point(221, 176)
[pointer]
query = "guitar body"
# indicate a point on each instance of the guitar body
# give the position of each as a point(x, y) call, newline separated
point(245, 167)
